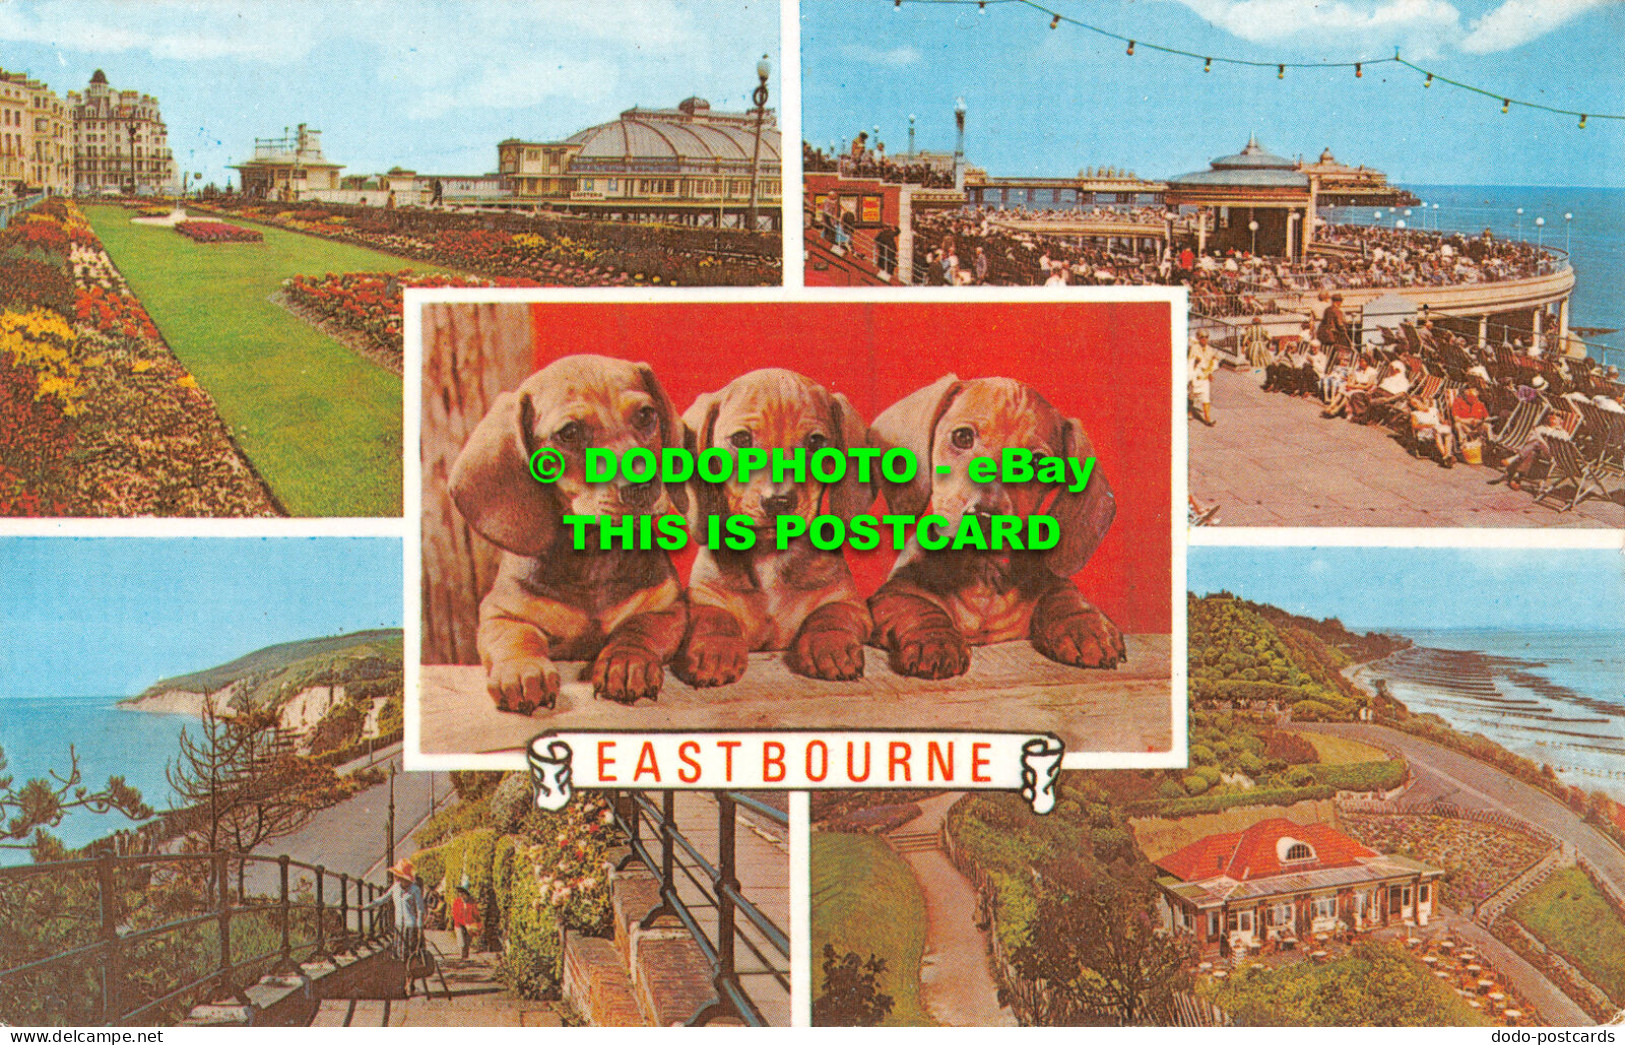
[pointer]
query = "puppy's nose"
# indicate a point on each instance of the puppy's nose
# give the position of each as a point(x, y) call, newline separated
point(779, 503)
point(640, 496)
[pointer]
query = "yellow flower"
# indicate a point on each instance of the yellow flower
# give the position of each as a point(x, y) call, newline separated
point(187, 382)
point(141, 366)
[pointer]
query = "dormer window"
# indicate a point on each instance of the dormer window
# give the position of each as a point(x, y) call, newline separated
point(1299, 851)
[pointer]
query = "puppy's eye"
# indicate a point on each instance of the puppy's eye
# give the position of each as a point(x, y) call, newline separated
point(645, 419)
point(571, 434)
point(817, 441)
point(740, 440)
point(963, 438)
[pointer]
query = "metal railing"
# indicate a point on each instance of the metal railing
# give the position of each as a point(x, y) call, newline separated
point(108, 953)
point(717, 883)
point(16, 207)
point(844, 237)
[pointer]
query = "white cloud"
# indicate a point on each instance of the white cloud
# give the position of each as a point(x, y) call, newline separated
point(887, 57)
point(1418, 27)
point(1516, 22)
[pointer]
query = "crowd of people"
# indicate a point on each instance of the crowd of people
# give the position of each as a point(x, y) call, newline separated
point(968, 248)
point(1443, 395)
point(865, 162)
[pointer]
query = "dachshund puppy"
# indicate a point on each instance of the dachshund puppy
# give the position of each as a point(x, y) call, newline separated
point(622, 610)
point(800, 600)
point(936, 604)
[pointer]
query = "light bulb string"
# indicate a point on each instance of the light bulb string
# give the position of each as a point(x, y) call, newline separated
point(1057, 17)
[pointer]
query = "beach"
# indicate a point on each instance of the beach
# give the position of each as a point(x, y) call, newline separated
point(1556, 698)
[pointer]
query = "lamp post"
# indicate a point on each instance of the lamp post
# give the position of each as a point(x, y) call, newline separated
point(1540, 232)
point(1435, 217)
point(132, 127)
point(911, 135)
point(1400, 224)
point(1520, 224)
point(759, 96)
point(1567, 219)
point(1252, 226)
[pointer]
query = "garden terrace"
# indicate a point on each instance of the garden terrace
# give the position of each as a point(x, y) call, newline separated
point(553, 250)
point(866, 901)
point(99, 417)
point(1479, 858)
point(319, 424)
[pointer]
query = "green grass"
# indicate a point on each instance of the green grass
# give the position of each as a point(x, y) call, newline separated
point(322, 425)
point(1567, 914)
point(865, 899)
point(1336, 751)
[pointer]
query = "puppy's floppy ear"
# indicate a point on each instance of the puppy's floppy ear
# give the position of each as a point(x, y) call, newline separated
point(492, 485)
point(699, 435)
point(849, 497)
point(908, 424)
point(1083, 518)
point(671, 428)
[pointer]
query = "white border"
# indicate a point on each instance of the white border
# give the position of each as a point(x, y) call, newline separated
point(417, 297)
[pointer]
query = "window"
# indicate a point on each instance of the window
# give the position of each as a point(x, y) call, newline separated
point(1422, 894)
point(1212, 923)
point(1299, 851)
point(1281, 914)
point(1325, 907)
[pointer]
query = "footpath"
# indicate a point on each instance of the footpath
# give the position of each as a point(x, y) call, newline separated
point(956, 985)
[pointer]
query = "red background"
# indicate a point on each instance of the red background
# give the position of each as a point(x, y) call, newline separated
point(1106, 364)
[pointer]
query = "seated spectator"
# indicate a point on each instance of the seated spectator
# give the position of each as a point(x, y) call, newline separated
point(1255, 343)
point(1534, 450)
point(1395, 385)
point(1428, 427)
point(1470, 414)
point(1361, 381)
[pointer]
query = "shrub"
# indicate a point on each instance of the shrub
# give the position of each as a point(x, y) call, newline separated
point(1195, 785)
point(1363, 776)
point(1263, 796)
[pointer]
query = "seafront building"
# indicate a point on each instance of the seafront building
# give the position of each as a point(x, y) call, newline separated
point(1280, 885)
point(36, 138)
point(120, 143)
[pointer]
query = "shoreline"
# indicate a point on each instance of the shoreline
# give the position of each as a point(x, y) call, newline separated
point(1471, 703)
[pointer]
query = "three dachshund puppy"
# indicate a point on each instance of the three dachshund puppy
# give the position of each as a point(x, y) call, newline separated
point(624, 612)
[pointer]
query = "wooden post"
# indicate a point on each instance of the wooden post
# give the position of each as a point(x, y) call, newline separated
point(107, 900)
point(471, 353)
point(321, 914)
point(287, 943)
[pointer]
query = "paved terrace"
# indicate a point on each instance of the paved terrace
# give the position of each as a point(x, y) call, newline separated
point(1272, 460)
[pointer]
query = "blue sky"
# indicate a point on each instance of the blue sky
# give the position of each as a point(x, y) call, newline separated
point(109, 616)
point(1378, 589)
point(428, 86)
point(1051, 102)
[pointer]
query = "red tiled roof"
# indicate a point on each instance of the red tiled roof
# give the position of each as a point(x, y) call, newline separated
point(1253, 853)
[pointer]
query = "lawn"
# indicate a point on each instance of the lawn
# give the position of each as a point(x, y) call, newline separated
point(865, 899)
point(1336, 751)
point(321, 425)
point(1567, 914)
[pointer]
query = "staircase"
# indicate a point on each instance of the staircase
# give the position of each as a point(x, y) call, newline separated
point(464, 992)
point(1513, 891)
point(830, 266)
point(915, 841)
point(646, 977)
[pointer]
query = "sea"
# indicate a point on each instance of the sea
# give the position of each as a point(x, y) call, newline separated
point(1555, 697)
point(1594, 238)
point(37, 732)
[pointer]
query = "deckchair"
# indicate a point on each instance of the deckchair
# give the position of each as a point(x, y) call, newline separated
point(1567, 464)
point(1514, 431)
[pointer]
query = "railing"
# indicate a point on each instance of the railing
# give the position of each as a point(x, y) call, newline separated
point(16, 207)
point(861, 245)
point(108, 953)
point(717, 883)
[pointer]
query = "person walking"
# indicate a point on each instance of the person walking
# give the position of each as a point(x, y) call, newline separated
point(406, 896)
point(1202, 364)
point(466, 919)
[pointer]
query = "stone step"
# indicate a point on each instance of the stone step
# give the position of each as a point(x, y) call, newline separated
point(597, 984)
point(915, 841)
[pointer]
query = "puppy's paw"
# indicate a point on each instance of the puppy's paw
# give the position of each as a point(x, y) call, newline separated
point(523, 684)
point(1083, 638)
point(829, 654)
point(626, 674)
point(711, 660)
point(935, 654)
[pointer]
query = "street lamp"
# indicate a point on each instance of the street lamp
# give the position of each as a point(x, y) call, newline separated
point(1540, 228)
point(759, 96)
point(1435, 217)
point(1520, 224)
point(1400, 224)
point(1567, 218)
point(132, 127)
point(1252, 226)
point(911, 135)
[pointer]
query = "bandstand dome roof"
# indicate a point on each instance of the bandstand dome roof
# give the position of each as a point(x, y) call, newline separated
point(1253, 166)
point(687, 134)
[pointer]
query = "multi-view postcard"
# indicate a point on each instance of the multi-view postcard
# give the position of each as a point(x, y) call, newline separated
point(1144, 549)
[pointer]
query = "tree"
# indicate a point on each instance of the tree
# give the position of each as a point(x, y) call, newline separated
point(241, 783)
point(851, 995)
point(1098, 950)
point(42, 802)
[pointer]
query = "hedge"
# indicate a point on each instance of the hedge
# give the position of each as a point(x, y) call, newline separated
point(1363, 776)
point(1257, 796)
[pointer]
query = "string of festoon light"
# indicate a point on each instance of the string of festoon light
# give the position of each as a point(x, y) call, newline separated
point(1059, 18)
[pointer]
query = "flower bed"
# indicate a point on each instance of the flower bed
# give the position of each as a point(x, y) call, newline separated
point(364, 309)
point(1478, 858)
point(217, 232)
point(553, 251)
point(97, 416)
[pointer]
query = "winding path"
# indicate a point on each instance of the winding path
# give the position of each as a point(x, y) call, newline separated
point(956, 986)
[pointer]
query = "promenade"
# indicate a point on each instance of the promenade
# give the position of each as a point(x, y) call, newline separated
point(1272, 460)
